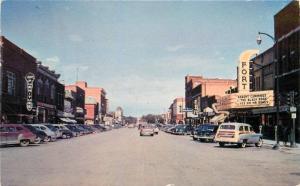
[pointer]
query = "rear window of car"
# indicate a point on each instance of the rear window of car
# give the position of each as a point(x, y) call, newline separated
point(227, 127)
point(147, 126)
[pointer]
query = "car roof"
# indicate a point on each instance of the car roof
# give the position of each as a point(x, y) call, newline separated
point(236, 124)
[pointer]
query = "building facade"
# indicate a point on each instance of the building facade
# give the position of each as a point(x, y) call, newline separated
point(178, 106)
point(79, 102)
point(99, 95)
point(286, 52)
point(16, 64)
point(118, 115)
point(50, 95)
point(91, 107)
point(69, 106)
point(201, 93)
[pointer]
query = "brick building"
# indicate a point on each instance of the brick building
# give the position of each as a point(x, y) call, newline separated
point(49, 94)
point(99, 95)
point(91, 107)
point(79, 94)
point(16, 63)
point(177, 114)
point(287, 51)
point(197, 87)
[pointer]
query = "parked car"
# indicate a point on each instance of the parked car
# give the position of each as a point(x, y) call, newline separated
point(146, 130)
point(76, 132)
point(88, 129)
point(205, 132)
point(171, 130)
point(66, 133)
point(238, 133)
point(51, 135)
point(183, 129)
point(55, 130)
point(40, 135)
point(100, 128)
point(11, 134)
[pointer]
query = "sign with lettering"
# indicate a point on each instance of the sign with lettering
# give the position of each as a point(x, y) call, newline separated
point(246, 100)
point(29, 82)
point(243, 70)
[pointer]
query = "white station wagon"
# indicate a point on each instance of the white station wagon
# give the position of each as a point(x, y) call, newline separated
point(237, 133)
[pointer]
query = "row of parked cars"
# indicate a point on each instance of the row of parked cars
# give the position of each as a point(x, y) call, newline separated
point(24, 134)
point(240, 134)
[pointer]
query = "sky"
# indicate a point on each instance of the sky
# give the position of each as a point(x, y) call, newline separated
point(139, 52)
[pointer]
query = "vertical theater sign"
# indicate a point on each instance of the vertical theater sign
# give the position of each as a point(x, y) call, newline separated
point(244, 98)
point(29, 82)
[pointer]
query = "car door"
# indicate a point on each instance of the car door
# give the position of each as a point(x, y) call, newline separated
point(3, 134)
point(253, 137)
point(12, 135)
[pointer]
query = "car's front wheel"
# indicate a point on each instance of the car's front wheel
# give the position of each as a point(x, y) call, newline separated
point(47, 139)
point(259, 143)
point(221, 144)
point(37, 140)
point(243, 144)
point(24, 143)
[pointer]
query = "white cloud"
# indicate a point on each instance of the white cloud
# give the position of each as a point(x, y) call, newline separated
point(174, 48)
point(75, 38)
point(51, 62)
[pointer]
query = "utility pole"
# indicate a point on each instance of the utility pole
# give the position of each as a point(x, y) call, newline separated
point(293, 110)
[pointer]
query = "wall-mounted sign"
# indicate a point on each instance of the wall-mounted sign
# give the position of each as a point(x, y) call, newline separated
point(246, 100)
point(243, 70)
point(29, 82)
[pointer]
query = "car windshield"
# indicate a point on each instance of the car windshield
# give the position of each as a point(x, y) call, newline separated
point(51, 127)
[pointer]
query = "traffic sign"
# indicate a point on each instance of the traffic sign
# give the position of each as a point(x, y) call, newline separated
point(293, 109)
point(294, 115)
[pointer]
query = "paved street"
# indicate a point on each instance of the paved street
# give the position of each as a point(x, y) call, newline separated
point(123, 158)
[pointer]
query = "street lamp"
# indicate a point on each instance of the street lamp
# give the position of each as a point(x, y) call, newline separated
point(259, 40)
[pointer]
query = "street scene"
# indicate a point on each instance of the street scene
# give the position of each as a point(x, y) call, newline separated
point(122, 157)
point(165, 93)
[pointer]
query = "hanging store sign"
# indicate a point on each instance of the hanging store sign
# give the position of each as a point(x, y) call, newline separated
point(29, 82)
point(246, 100)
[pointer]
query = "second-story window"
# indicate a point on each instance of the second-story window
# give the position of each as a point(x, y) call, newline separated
point(52, 92)
point(39, 87)
point(11, 83)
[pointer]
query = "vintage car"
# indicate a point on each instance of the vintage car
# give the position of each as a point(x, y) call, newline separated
point(147, 130)
point(205, 132)
point(238, 133)
point(16, 134)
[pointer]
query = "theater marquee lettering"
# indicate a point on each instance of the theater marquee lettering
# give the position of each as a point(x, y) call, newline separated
point(253, 100)
point(256, 99)
point(29, 82)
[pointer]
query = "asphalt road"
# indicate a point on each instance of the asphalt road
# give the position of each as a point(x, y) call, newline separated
point(122, 158)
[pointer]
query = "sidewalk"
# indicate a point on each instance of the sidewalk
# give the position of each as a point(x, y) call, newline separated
point(269, 144)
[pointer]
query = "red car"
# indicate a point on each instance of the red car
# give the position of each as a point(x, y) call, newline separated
point(11, 134)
